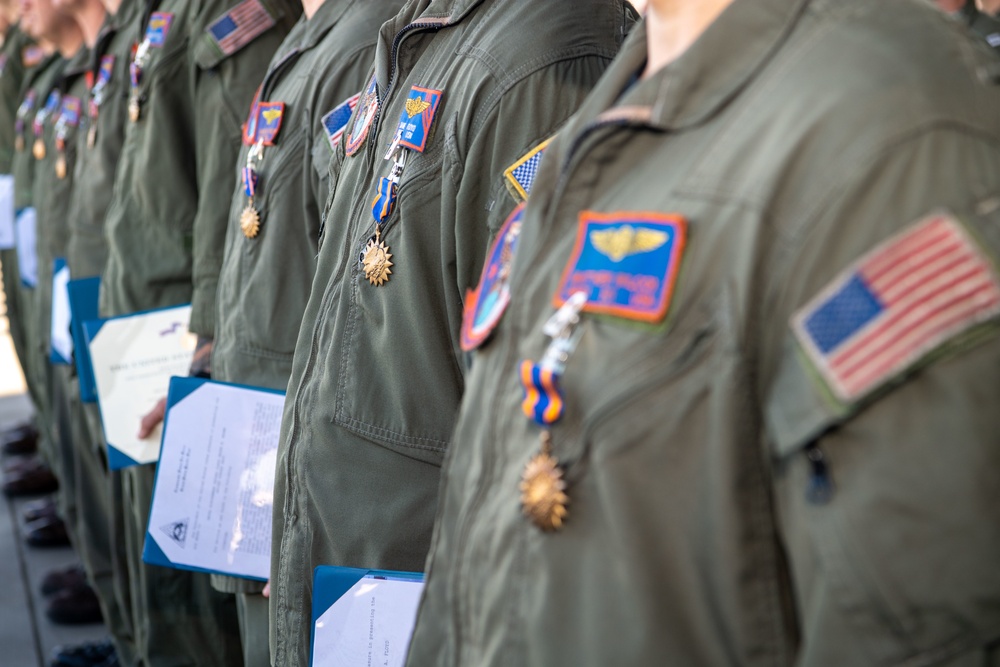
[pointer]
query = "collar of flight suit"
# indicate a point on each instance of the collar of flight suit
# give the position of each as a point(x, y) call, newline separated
point(125, 17)
point(429, 13)
point(326, 16)
point(76, 66)
point(714, 70)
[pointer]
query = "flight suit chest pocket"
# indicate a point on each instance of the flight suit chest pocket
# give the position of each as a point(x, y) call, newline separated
point(401, 382)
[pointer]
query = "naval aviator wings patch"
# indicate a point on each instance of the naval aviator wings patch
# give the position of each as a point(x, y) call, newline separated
point(626, 263)
point(240, 26)
point(896, 305)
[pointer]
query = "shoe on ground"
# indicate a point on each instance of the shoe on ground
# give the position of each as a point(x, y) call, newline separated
point(91, 654)
point(63, 579)
point(19, 440)
point(40, 509)
point(31, 482)
point(74, 607)
point(46, 533)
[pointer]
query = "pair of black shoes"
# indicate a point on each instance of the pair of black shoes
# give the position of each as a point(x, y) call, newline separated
point(91, 654)
point(71, 599)
point(19, 440)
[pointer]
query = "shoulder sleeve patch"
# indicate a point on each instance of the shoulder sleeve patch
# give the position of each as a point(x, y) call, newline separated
point(336, 120)
point(240, 26)
point(896, 305)
point(32, 56)
point(520, 176)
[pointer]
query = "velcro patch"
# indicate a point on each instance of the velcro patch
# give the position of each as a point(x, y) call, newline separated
point(520, 176)
point(485, 305)
point(158, 28)
point(363, 119)
point(32, 56)
point(335, 121)
point(269, 117)
point(240, 26)
point(895, 305)
point(416, 118)
point(626, 263)
point(69, 113)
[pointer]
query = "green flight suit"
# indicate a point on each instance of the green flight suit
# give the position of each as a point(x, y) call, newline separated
point(982, 24)
point(697, 442)
point(14, 71)
point(377, 373)
point(264, 282)
point(98, 489)
point(38, 85)
point(165, 246)
point(53, 188)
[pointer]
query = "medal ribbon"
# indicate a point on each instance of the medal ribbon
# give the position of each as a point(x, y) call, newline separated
point(543, 400)
point(22, 112)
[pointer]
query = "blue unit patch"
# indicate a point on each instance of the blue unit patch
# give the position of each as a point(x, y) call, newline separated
point(626, 263)
point(335, 121)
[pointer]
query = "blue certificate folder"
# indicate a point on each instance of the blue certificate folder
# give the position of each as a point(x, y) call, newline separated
point(58, 354)
point(83, 305)
point(176, 529)
point(331, 583)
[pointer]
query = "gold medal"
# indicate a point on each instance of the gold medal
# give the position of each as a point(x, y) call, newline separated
point(92, 136)
point(38, 150)
point(250, 221)
point(376, 260)
point(543, 489)
point(19, 143)
point(61, 166)
point(133, 109)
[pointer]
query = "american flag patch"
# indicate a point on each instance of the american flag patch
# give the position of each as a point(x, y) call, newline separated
point(335, 121)
point(897, 304)
point(240, 26)
point(521, 175)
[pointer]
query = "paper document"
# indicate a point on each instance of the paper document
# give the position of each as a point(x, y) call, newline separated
point(8, 232)
point(214, 489)
point(83, 295)
point(369, 623)
point(27, 253)
point(61, 337)
point(134, 357)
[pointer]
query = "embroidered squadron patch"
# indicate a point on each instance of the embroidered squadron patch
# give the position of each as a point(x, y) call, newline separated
point(335, 121)
point(240, 26)
point(268, 125)
point(485, 305)
point(416, 118)
point(520, 176)
point(885, 313)
point(158, 28)
point(626, 263)
point(368, 107)
point(69, 113)
point(32, 56)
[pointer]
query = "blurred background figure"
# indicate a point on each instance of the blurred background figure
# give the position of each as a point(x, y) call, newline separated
point(978, 15)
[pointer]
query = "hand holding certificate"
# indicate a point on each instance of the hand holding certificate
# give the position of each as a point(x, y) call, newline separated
point(133, 359)
point(215, 480)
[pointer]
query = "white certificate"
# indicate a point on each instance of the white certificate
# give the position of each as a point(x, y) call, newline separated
point(134, 358)
point(8, 233)
point(61, 336)
point(215, 480)
point(370, 624)
point(27, 253)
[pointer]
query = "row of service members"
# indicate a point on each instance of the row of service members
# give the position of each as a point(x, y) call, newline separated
point(657, 455)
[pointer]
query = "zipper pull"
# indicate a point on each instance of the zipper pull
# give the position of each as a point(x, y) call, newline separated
point(820, 488)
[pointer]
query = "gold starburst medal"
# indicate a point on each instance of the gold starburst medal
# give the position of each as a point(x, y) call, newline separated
point(543, 489)
point(61, 166)
point(38, 149)
point(250, 221)
point(376, 260)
